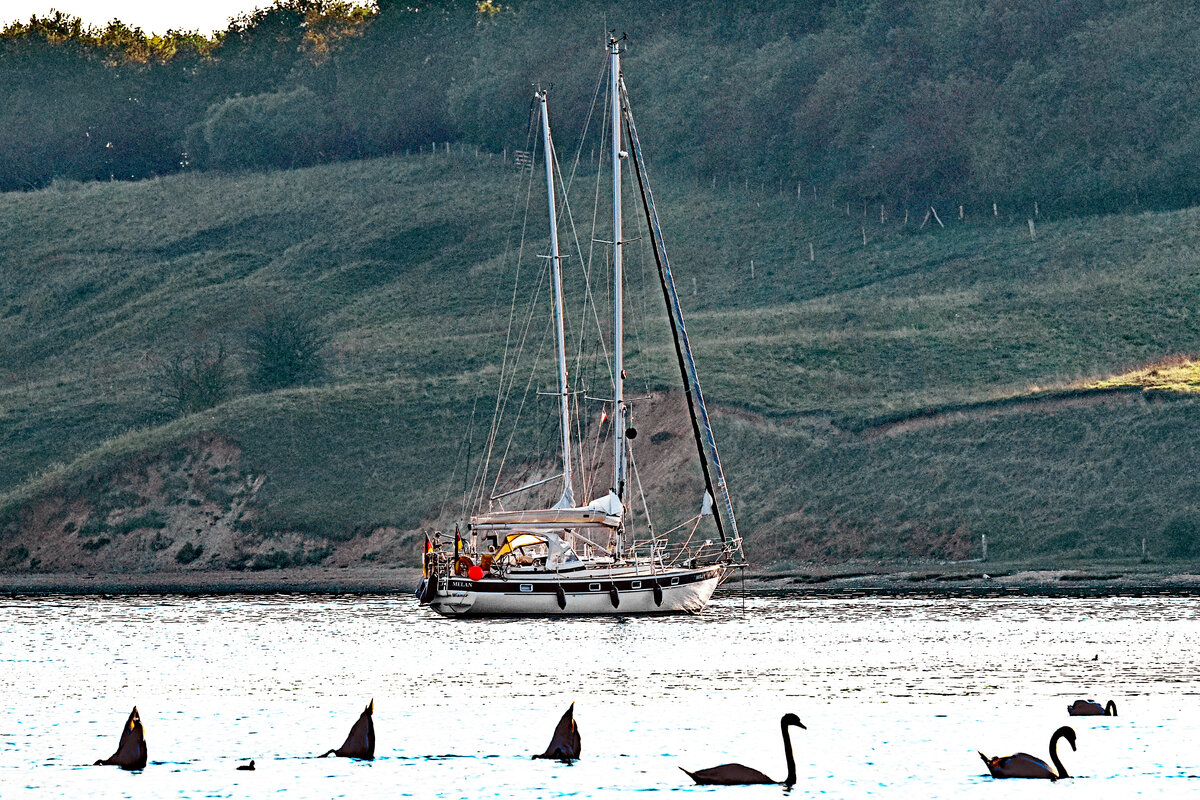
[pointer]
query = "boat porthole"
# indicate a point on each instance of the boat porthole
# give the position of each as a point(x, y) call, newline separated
point(593, 587)
point(674, 581)
point(526, 587)
point(635, 585)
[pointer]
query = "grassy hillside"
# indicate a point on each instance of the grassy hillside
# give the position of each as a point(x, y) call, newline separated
point(406, 263)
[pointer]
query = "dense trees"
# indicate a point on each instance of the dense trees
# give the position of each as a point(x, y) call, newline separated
point(1087, 103)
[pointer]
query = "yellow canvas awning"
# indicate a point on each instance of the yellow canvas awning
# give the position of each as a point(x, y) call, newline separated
point(516, 541)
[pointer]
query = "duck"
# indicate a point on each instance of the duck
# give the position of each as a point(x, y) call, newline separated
point(565, 743)
point(247, 767)
point(131, 750)
point(1023, 765)
point(739, 774)
point(1090, 708)
point(361, 741)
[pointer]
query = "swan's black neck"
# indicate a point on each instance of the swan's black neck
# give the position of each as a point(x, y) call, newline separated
point(790, 780)
point(1110, 709)
point(1058, 765)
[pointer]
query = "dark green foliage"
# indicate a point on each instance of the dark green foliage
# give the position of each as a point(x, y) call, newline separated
point(276, 129)
point(284, 349)
point(189, 553)
point(1086, 104)
point(279, 559)
point(194, 379)
point(94, 526)
point(1182, 535)
point(92, 545)
point(15, 556)
point(151, 519)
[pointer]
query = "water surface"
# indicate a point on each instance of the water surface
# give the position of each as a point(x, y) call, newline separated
point(897, 694)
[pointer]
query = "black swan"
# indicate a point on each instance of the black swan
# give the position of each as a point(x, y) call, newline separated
point(131, 751)
point(247, 767)
point(1023, 765)
point(1090, 708)
point(564, 744)
point(737, 774)
point(361, 741)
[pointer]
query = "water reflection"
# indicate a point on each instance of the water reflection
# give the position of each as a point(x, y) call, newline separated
point(897, 694)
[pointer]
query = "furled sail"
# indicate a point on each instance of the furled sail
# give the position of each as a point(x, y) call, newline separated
point(714, 476)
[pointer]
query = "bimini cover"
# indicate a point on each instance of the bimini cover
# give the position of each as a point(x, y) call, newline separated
point(558, 553)
point(520, 541)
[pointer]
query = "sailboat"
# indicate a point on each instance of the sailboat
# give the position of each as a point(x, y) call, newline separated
point(583, 559)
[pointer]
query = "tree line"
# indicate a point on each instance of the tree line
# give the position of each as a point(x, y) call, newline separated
point(1088, 104)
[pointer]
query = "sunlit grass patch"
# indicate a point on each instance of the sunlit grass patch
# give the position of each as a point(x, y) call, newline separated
point(1174, 374)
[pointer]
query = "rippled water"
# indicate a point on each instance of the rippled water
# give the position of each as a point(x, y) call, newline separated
point(897, 694)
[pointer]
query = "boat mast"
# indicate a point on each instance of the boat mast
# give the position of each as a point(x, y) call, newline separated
point(568, 496)
point(620, 411)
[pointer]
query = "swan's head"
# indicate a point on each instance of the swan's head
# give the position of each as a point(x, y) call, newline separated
point(791, 719)
point(1067, 733)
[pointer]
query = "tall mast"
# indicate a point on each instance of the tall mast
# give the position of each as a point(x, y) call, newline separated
point(560, 346)
point(620, 411)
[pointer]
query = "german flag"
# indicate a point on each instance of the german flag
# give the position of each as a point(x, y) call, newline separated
point(425, 557)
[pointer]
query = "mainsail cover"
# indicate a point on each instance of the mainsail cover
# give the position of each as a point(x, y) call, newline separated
point(548, 518)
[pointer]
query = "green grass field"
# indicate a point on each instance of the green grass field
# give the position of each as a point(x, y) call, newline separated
point(407, 264)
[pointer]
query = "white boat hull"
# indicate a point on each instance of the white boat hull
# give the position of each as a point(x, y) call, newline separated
point(612, 593)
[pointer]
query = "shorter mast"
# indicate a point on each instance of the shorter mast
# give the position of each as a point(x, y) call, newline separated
point(560, 347)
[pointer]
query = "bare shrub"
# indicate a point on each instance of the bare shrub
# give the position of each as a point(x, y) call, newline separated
point(195, 379)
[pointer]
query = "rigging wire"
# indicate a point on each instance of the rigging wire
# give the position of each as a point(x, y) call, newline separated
point(529, 383)
point(463, 444)
point(637, 477)
point(501, 398)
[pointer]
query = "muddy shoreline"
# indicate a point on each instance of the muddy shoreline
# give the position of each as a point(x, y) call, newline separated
point(813, 582)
